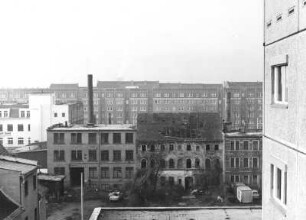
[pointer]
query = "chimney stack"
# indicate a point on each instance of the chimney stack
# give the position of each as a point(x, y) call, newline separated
point(90, 101)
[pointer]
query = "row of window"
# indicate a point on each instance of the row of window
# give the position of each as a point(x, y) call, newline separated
point(189, 95)
point(77, 155)
point(55, 114)
point(245, 145)
point(105, 172)
point(76, 138)
point(188, 108)
point(185, 101)
point(171, 163)
point(10, 127)
point(246, 179)
point(246, 162)
point(172, 147)
point(10, 141)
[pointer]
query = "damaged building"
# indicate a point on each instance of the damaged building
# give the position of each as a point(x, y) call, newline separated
point(187, 148)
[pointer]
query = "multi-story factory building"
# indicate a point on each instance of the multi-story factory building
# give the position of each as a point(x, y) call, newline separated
point(186, 147)
point(105, 154)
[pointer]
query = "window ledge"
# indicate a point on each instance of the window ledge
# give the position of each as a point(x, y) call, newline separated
point(280, 105)
point(280, 207)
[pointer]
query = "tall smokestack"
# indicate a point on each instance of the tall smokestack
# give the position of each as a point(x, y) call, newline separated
point(90, 101)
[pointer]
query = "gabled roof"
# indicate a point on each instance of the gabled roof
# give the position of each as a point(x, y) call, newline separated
point(9, 209)
point(17, 164)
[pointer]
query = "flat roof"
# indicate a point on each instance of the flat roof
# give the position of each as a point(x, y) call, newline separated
point(48, 177)
point(17, 164)
point(96, 127)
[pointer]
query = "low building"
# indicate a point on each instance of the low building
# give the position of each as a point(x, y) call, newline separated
point(187, 147)
point(243, 158)
point(106, 154)
point(18, 181)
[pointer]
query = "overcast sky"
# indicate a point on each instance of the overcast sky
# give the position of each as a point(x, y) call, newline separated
point(197, 41)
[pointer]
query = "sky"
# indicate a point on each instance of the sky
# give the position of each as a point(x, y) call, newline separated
point(191, 41)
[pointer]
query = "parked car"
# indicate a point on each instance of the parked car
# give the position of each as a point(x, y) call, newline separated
point(115, 196)
point(255, 194)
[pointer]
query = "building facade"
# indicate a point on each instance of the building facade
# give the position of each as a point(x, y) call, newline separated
point(284, 151)
point(105, 154)
point(187, 148)
point(243, 158)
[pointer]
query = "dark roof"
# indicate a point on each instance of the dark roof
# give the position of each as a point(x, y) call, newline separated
point(8, 207)
point(39, 155)
point(179, 126)
point(64, 86)
point(3, 151)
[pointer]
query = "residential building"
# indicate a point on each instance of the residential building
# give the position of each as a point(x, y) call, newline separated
point(243, 105)
point(284, 143)
point(243, 158)
point(186, 147)
point(18, 181)
point(105, 154)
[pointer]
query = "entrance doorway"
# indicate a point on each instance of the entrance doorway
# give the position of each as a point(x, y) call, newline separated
point(75, 176)
point(188, 183)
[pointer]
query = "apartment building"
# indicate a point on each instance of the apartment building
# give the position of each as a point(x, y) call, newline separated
point(243, 105)
point(105, 154)
point(243, 158)
point(186, 147)
point(284, 151)
point(19, 183)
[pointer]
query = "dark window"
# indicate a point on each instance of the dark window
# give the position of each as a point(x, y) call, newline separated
point(237, 145)
point(171, 163)
point(29, 127)
point(279, 184)
point(104, 172)
point(255, 145)
point(143, 147)
point(152, 163)
point(255, 179)
point(152, 148)
point(59, 170)
point(76, 138)
point(207, 164)
point(171, 181)
point(188, 147)
point(232, 178)
point(76, 155)
point(245, 145)
point(55, 115)
point(104, 138)
point(93, 174)
point(232, 162)
point(207, 147)
point(59, 155)
point(92, 155)
point(63, 114)
point(216, 147)
point(245, 162)
point(117, 172)
point(9, 127)
point(129, 172)
point(1, 127)
point(20, 141)
point(162, 163)
point(232, 145)
point(26, 188)
point(35, 214)
point(92, 138)
point(188, 163)
point(237, 162)
point(143, 163)
point(171, 147)
point(104, 155)
point(117, 138)
point(255, 162)
point(198, 148)
point(237, 178)
point(129, 155)
point(59, 138)
point(197, 163)
point(129, 138)
point(116, 155)
point(34, 182)
point(20, 127)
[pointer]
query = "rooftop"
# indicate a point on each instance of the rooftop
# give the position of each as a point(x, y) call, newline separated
point(9, 208)
point(3, 151)
point(17, 164)
point(47, 177)
point(96, 127)
point(243, 134)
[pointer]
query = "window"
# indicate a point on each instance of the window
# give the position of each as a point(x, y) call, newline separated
point(129, 172)
point(129, 138)
point(255, 162)
point(104, 172)
point(9, 127)
point(279, 184)
point(104, 155)
point(171, 163)
point(152, 148)
point(237, 162)
point(76, 155)
point(152, 163)
point(245, 145)
point(232, 162)
point(20, 127)
point(162, 163)
point(92, 138)
point(171, 181)
point(20, 141)
point(129, 155)
point(55, 115)
point(246, 179)
point(207, 147)
point(255, 179)
point(59, 170)
point(22, 115)
point(237, 145)
point(188, 163)
point(162, 147)
point(1, 127)
point(10, 141)
point(1, 141)
point(143, 147)
point(197, 163)
point(143, 163)
point(59, 138)
point(76, 138)
point(232, 145)
point(207, 164)
point(279, 17)
point(197, 148)
point(291, 11)
point(237, 179)
point(245, 162)
point(34, 182)
point(216, 147)
point(255, 145)
point(63, 114)
point(117, 172)
point(104, 138)
point(188, 147)
point(26, 188)
point(29, 127)
point(5, 114)
point(171, 147)
point(116, 155)
point(93, 174)
point(117, 138)
point(279, 85)
point(162, 180)
point(92, 155)
point(59, 155)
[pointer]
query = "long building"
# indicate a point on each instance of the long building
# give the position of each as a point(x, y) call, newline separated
point(284, 143)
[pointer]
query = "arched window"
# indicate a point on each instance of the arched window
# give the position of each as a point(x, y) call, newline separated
point(152, 163)
point(143, 163)
point(207, 164)
point(180, 163)
point(171, 163)
point(197, 163)
point(163, 164)
point(188, 163)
